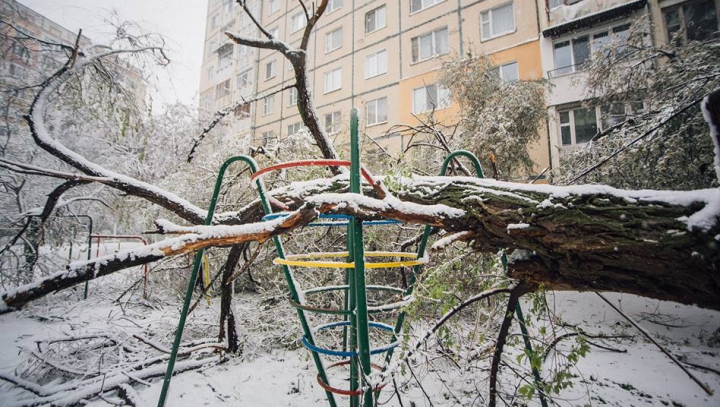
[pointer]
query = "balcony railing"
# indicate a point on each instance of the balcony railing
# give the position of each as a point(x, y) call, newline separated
point(565, 70)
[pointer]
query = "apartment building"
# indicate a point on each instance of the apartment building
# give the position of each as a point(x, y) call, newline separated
point(381, 57)
point(26, 60)
point(571, 31)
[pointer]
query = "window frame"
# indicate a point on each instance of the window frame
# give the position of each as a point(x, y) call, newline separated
point(376, 19)
point(434, 45)
point(268, 136)
point(328, 37)
point(433, 104)
point(268, 105)
point(247, 72)
point(332, 7)
point(297, 17)
point(375, 103)
point(680, 9)
point(499, 70)
point(223, 89)
point(272, 73)
point(489, 13)
point(331, 74)
point(335, 122)
point(424, 7)
point(601, 112)
point(292, 97)
point(273, 7)
point(377, 64)
point(296, 127)
point(592, 41)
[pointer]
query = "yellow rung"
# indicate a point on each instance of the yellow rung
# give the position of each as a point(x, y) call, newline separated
point(305, 260)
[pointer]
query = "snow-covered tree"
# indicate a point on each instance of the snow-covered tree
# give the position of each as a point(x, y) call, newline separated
point(654, 133)
point(501, 117)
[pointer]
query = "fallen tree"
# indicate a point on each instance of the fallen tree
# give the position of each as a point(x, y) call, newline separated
point(658, 244)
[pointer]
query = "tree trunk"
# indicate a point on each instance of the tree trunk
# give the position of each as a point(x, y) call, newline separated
point(587, 238)
point(228, 329)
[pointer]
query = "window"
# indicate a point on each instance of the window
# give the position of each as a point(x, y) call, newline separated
point(333, 40)
point(417, 5)
point(376, 64)
point(222, 89)
point(577, 126)
point(692, 21)
point(333, 80)
point(294, 128)
point(572, 54)
point(292, 96)
point(225, 56)
point(332, 122)
point(375, 19)
point(275, 32)
point(554, 3)
point(507, 72)
point(298, 22)
point(333, 5)
point(498, 21)
point(580, 125)
point(210, 72)
point(227, 6)
point(268, 105)
point(243, 110)
point(376, 111)
point(430, 97)
point(244, 78)
point(243, 51)
point(273, 6)
point(429, 45)
point(213, 22)
point(271, 69)
point(211, 49)
point(270, 140)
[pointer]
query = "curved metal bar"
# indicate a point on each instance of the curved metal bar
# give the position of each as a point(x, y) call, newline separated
point(344, 392)
point(146, 271)
point(329, 352)
point(426, 235)
point(344, 222)
point(466, 154)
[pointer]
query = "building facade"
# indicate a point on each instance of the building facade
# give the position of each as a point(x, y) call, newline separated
point(28, 53)
point(571, 31)
point(383, 58)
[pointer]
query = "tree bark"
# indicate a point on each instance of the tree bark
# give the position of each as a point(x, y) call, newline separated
point(228, 330)
point(590, 238)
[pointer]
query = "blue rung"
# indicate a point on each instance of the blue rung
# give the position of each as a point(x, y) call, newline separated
point(346, 354)
point(343, 222)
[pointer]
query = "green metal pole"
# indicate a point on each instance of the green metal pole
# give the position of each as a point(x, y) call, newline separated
point(423, 241)
point(526, 340)
point(359, 259)
point(351, 305)
point(196, 266)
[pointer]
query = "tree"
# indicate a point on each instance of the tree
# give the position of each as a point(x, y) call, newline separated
point(650, 97)
point(501, 117)
point(657, 244)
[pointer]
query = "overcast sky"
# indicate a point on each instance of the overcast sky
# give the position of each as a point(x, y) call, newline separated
point(181, 22)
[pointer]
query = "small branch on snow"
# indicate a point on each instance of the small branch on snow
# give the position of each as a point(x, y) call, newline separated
point(667, 353)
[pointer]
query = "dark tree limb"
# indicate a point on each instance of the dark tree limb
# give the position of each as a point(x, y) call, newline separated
point(514, 297)
point(298, 58)
point(228, 328)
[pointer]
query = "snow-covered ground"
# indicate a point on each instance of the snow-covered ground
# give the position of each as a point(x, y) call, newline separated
point(270, 375)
